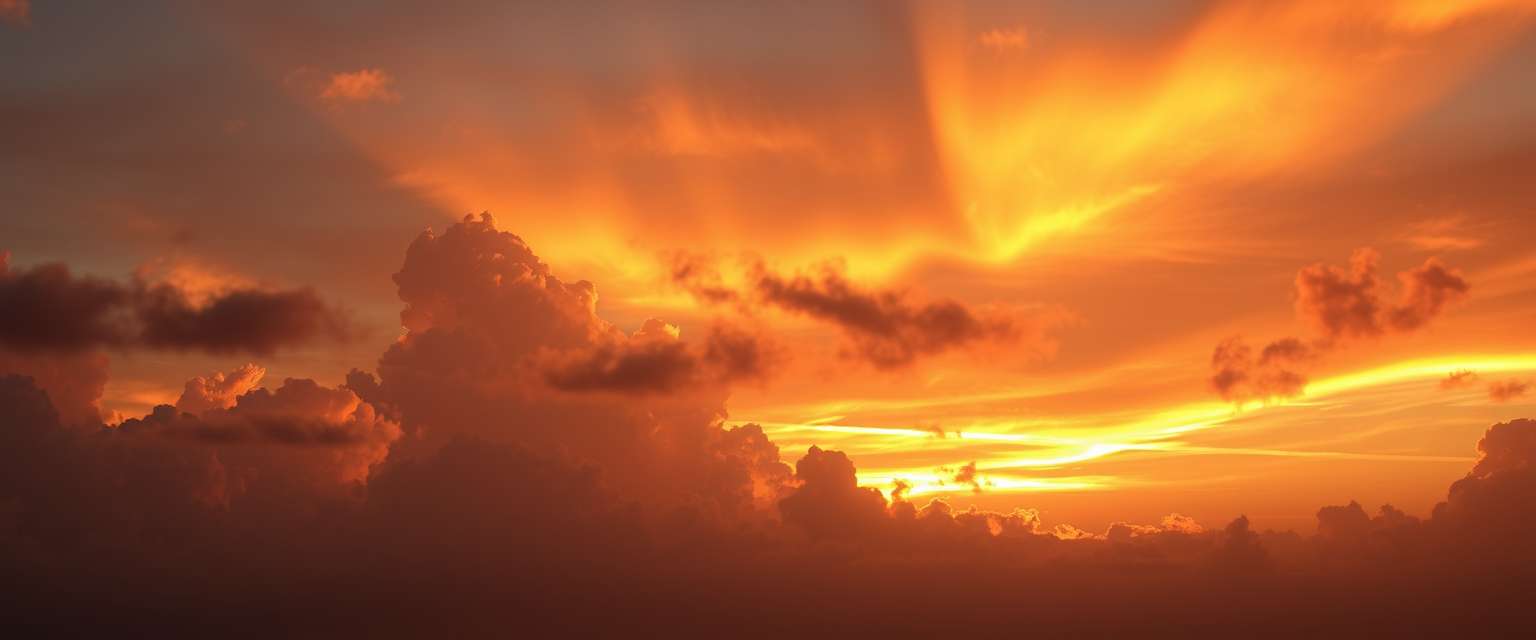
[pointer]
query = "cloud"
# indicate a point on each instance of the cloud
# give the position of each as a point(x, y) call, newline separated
point(220, 390)
point(49, 309)
point(886, 328)
point(1506, 390)
point(1346, 303)
point(16, 12)
point(363, 85)
point(1458, 378)
point(1343, 304)
point(967, 475)
point(655, 360)
point(829, 501)
point(1238, 376)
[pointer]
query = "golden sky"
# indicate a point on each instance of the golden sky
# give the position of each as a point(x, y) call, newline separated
point(1119, 188)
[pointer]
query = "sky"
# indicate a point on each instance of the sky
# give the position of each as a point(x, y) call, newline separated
point(1100, 263)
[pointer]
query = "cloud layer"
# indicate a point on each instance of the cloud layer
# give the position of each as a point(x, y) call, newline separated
point(517, 462)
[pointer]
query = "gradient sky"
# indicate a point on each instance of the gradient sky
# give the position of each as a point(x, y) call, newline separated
point(1130, 185)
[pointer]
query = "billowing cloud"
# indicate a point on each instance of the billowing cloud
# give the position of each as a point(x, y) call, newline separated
point(1347, 303)
point(1343, 304)
point(967, 475)
point(51, 309)
point(363, 85)
point(1275, 373)
point(654, 359)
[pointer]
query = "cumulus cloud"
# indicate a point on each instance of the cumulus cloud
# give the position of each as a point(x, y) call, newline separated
point(1347, 302)
point(1342, 304)
point(49, 309)
point(886, 327)
point(219, 390)
point(967, 475)
point(1506, 390)
point(1238, 375)
point(363, 85)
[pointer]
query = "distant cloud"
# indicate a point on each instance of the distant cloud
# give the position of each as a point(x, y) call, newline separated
point(363, 85)
point(50, 309)
point(1458, 378)
point(16, 12)
point(1346, 303)
point(1276, 372)
point(887, 328)
point(1506, 390)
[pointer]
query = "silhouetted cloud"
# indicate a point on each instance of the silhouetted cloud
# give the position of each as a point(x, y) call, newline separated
point(50, 309)
point(1342, 304)
point(886, 328)
point(1506, 390)
point(656, 360)
point(1239, 376)
point(1346, 303)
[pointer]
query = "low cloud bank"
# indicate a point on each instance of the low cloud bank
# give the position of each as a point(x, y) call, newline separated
point(515, 464)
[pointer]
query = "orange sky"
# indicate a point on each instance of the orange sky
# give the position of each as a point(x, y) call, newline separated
point(1135, 186)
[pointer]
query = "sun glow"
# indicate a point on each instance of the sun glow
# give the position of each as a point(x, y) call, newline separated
point(1007, 452)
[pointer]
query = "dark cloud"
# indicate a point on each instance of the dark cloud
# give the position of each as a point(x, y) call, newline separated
point(967, 475)
point(655, 360)
point(49, 309)
point(1458, 378)
point(1506, 390)
point(249, 320)
point(1343, 304)
point(1238, 376)
point(1347, 303)
point(886, 327)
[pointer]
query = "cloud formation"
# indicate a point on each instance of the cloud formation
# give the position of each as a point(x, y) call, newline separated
point(886, 328)
point(49, 309)
point(1342, 304)
point(1506, 390)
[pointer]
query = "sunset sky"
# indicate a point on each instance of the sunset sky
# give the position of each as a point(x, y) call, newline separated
point(1108, 261)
